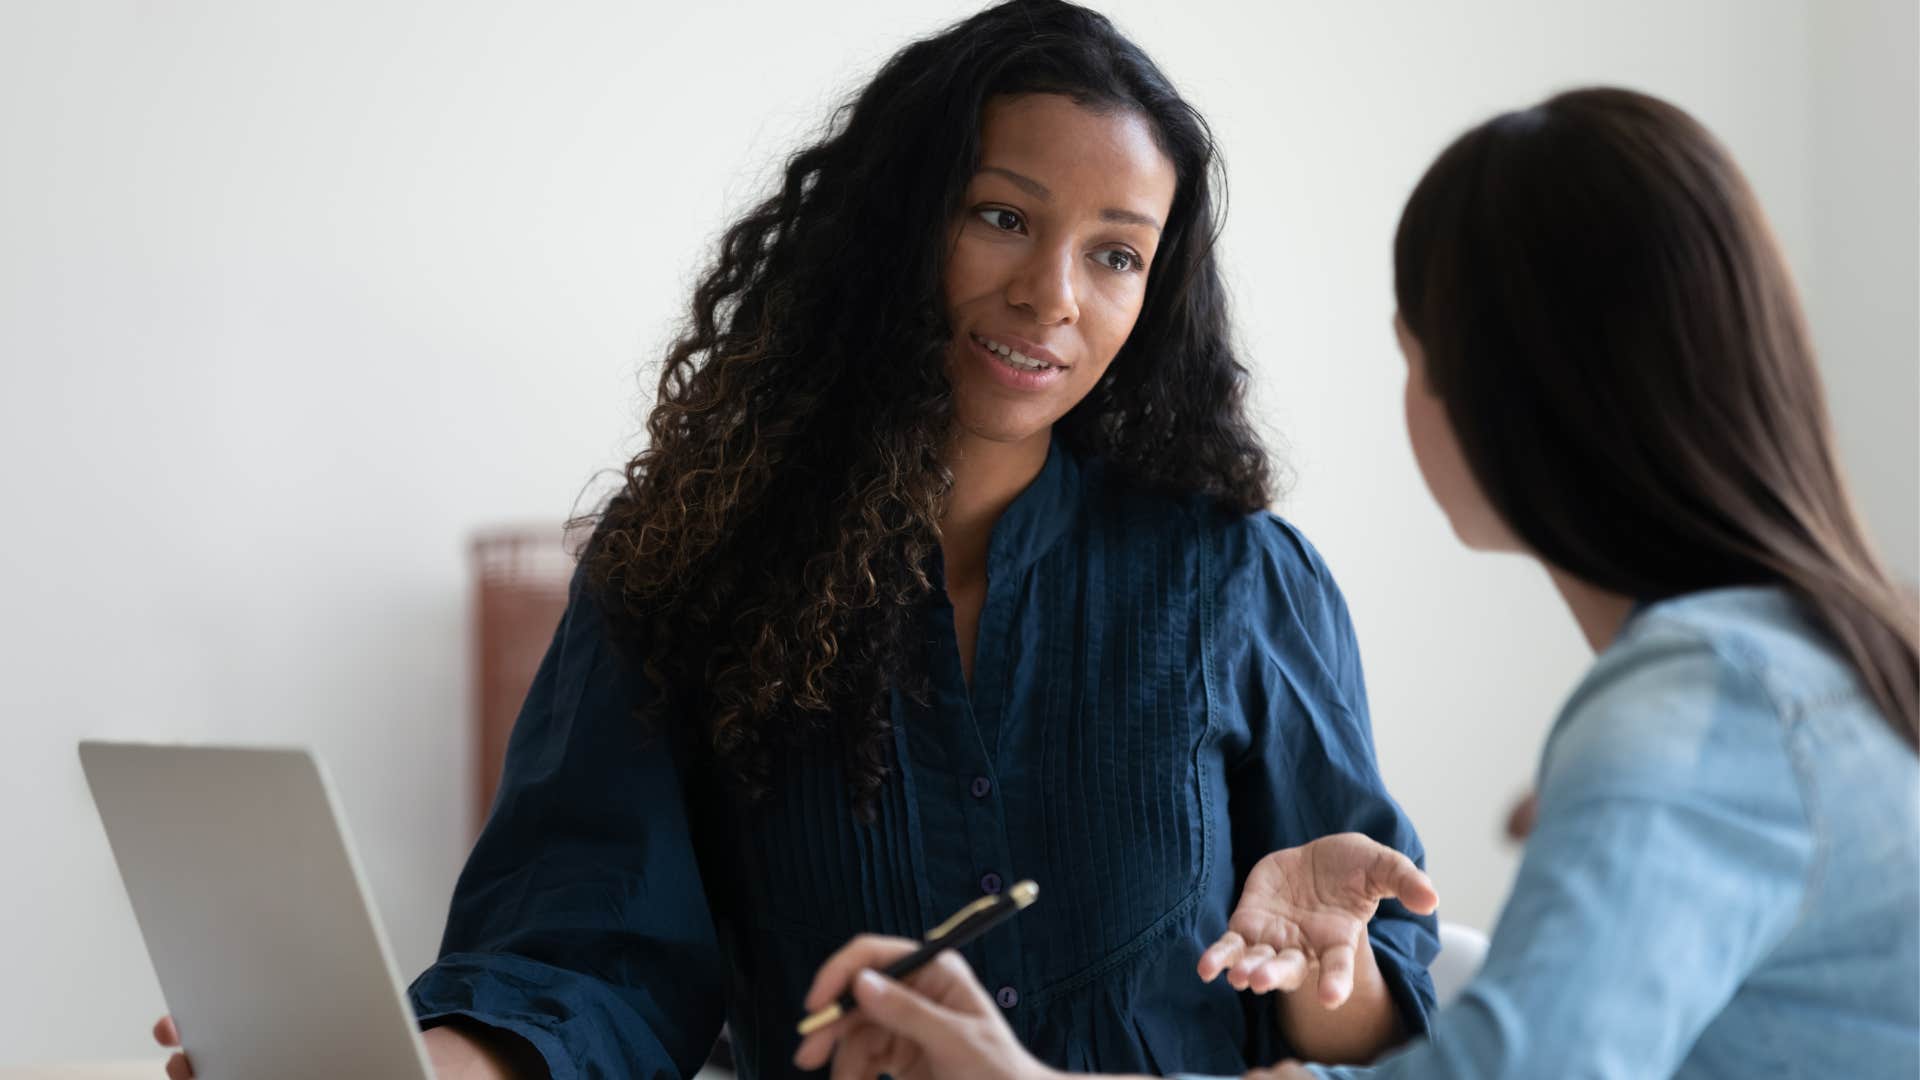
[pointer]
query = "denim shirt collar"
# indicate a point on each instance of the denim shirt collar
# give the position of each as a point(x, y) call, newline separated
point(1038, 517)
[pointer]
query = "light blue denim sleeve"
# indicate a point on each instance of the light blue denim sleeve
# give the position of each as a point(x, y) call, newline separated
point(1670, 856)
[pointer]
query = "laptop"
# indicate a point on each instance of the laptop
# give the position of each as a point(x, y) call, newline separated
point(254, 912)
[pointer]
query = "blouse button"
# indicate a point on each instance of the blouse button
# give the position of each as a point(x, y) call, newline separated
point(990, 883)
point(980, 786)
point(1007, 996)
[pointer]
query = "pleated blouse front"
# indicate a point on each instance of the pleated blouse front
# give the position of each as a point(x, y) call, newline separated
point(1162, 693)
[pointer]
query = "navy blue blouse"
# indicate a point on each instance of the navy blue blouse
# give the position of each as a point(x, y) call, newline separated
point(1162, 693)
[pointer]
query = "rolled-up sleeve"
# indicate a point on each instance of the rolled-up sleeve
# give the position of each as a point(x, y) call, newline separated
point(579, 922)
point(1308, 769)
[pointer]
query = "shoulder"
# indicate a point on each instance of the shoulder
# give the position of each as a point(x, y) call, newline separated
point(1256, 569)
point(1266, 567)
point(1237, 542)
point(1263, 542)
point(1680, 706)
point(594, 656)
point(1272, 592)
point(1765, 635)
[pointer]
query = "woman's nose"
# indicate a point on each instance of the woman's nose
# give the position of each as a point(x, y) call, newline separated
point(1045, 286)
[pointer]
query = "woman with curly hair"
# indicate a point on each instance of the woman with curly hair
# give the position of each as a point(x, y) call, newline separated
point(947, 565)
point(1608, 371)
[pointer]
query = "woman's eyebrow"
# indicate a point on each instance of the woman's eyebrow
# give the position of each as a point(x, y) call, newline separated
point(1128, 217)
point(1025, 183)
point(1040, 191)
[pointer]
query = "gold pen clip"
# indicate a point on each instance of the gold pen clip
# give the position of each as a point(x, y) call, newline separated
point(961, 916)
point(1022, 894)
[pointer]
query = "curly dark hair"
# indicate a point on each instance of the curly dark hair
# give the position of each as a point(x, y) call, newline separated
point(765, 554)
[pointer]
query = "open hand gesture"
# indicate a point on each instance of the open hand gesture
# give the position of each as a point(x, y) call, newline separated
point(1305, 910)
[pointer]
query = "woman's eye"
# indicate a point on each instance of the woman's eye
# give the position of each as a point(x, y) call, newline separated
point(1004, 220)
point(1120, 261)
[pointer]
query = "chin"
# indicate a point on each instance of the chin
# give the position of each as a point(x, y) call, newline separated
point(996, 425)
point(1002, 432)
point(1490, 540)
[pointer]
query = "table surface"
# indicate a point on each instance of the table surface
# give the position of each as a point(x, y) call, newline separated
point(150, 1069)
point(153, 1069)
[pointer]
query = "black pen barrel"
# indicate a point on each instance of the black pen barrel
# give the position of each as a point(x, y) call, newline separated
point(960, 937)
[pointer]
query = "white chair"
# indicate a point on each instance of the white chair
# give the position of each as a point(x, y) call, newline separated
point(1462, 950)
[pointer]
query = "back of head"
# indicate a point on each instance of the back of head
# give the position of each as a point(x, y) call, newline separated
point(1622, 354)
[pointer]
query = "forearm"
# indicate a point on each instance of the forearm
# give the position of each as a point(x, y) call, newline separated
point(464, 1050)
point(1358, 1031)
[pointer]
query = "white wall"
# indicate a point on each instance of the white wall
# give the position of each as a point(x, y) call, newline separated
point(1861, 272)
point(294, 296)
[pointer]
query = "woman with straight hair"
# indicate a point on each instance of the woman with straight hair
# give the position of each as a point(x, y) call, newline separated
point(1608, 371)
point(947, 565)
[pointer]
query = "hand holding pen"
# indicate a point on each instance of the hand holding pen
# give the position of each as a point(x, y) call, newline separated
point(944, 1025)
point(940, 1024)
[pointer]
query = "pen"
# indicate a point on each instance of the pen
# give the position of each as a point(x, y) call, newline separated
point(966, 924)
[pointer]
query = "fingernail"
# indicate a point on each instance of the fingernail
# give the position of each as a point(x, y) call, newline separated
point(870, 981)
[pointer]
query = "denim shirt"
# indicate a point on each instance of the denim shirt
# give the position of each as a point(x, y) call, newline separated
point(1722, 881)
point(1162, 693)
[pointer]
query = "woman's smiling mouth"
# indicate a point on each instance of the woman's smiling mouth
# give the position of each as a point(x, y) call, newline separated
point(1035, 359)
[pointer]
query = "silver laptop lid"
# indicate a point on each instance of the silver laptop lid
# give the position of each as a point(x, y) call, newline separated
point(254, 913)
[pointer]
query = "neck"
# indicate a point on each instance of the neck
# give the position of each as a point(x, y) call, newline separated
point(987, 477)
point(1599, 613)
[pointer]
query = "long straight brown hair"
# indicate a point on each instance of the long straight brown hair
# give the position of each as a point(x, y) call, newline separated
point(1621, 351)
